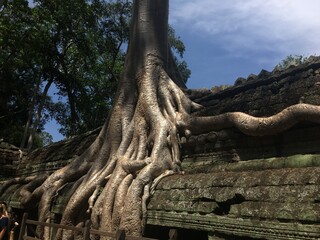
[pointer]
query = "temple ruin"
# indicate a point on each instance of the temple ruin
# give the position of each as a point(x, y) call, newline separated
point(234, 186)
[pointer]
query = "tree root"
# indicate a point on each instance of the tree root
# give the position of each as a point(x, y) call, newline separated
point(26, 192)
point(159, 178)
point(253, 126)
point(20, 180)
point(139, 146)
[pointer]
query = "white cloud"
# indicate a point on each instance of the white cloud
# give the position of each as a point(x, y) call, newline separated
point(286, 26)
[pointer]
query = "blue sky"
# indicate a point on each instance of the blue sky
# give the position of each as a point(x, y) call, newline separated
point(229, 39)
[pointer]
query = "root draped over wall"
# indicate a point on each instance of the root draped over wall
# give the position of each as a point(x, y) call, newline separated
point(140, 141)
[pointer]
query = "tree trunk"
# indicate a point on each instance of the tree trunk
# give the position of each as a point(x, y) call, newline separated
point(149, 38)
point(38, 115)
point(137, 148)
point(30, 114)
point(140, 141)
point(73, 112)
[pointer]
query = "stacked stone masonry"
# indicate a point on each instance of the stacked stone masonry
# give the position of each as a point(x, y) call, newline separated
point(235, 186)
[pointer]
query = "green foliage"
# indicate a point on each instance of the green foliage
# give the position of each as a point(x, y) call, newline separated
point(78, 46)
point(178, 49)
point(42, 139)
point(220, 88)
point(290, 61)
point(90, 60)
point(18, 72)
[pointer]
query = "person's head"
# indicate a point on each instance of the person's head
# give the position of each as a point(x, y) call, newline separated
point(4, 205)
point(3, 209)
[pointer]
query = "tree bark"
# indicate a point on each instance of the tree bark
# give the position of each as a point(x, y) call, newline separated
point(30, 113)
point(140, 142)
point(38, 115)
point(149, 37)
point(137, 148)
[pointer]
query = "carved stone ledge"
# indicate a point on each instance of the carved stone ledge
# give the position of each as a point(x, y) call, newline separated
point(235, 226)
point(48, 167)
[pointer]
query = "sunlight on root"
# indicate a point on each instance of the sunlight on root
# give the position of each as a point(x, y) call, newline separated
point(145, 198)
point(92, 199)
point(159, 178)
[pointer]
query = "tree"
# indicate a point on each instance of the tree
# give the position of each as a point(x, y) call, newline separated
point(19, 71)
point(73, 45)
point(139, 142)
point(91, 91)
point(87, 43)
point(77, 46)
point(137, 149)
point(178, 48)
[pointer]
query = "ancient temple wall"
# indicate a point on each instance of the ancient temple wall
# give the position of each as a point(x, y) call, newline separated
point(234, 185)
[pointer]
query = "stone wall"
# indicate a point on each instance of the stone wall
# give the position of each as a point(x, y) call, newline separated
point(10, 157)
point(262, 95)
point(274, 198)
point(242, 187)
point(267, 93)
point(56, 155)
point(235, 186)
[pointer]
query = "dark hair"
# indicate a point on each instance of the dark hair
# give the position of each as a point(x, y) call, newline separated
point(1, 208)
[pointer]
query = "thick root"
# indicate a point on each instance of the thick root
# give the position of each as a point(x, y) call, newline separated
point(254, 126)
point(28, 193)
point(20, 180)
point(138, 147)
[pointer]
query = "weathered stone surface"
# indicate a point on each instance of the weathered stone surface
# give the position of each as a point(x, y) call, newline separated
point(293, 211)
point(279, 190)
point(302, 139)
point(234, 185)
point(184, 206)
point(56, 155)
point(266, 94)
point(232, 228)
point(10, 156)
